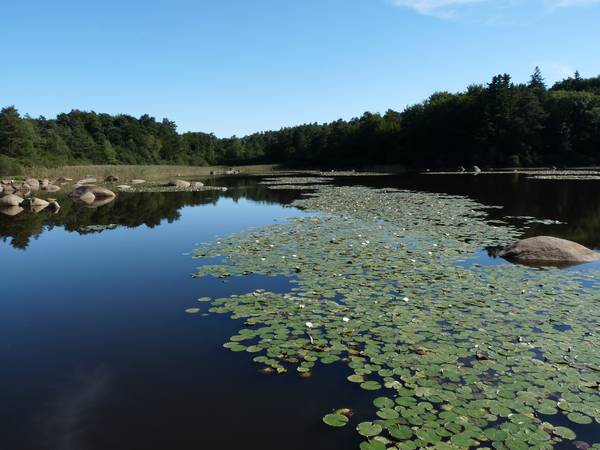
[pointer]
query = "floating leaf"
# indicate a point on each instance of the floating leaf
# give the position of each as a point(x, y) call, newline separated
point(369, 429)
point(335, 420)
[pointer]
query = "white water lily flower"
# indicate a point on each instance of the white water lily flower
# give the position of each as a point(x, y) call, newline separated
point(309, 324)
point(346, 319)
point(406, 299)
point(302, 306)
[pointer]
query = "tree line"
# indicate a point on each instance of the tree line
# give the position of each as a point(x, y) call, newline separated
point(501, 123)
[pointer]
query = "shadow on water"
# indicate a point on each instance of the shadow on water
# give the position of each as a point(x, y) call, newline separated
point(98, 352)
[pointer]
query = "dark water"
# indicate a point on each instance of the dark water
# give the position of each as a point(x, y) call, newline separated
point(97, 352)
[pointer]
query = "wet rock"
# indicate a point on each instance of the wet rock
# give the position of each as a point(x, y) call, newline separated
point(87, 181)
point(64, 180)
point(179, 184)
point(548, 250)
point(44, 183)
point(137, 181)
point(52, 188)
point(123, 187)
point(10, 200)
point(197, 184)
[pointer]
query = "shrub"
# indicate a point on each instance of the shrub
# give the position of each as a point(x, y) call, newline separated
point(9, 166)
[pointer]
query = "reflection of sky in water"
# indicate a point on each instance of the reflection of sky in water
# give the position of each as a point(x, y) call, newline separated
point(97, 351)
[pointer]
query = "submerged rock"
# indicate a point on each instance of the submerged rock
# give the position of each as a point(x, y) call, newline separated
point(547, 249)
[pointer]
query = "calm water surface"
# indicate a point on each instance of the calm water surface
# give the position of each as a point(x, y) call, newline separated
point(97, 352)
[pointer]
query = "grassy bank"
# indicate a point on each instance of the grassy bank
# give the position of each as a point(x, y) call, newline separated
point(145, 172)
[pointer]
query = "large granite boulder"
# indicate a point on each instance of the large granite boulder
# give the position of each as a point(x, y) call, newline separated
point(548, 250)
point(10, 200)
point(92, 194)
point(34, 204)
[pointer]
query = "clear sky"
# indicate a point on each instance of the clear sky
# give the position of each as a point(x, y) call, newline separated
point(238, 66)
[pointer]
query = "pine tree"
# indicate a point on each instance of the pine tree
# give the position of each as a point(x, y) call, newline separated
point(537, 80)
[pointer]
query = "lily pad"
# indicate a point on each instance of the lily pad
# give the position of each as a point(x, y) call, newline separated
point(335, 420)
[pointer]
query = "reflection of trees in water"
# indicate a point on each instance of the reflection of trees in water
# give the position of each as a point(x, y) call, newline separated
point(575, 202)
point(132, 210)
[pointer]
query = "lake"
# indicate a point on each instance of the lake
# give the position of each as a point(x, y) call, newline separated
point(98, 352)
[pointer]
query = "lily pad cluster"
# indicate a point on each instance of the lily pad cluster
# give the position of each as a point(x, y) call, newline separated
point(460, 355)
point(296, 180)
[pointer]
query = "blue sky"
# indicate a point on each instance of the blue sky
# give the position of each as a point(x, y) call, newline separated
point(238, 66)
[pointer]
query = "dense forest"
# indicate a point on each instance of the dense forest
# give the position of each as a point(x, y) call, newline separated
point(502, 123)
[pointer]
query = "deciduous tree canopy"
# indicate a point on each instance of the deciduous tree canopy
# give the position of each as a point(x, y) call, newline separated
point(501, 123)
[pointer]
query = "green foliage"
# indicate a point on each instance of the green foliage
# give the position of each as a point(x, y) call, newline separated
point(498, 124)
point(9, 166)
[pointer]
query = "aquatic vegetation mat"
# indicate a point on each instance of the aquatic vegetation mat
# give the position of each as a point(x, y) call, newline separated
point(457, 355)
